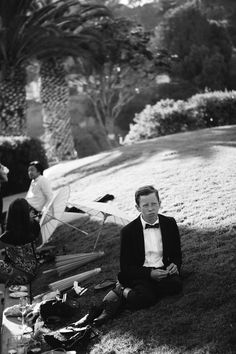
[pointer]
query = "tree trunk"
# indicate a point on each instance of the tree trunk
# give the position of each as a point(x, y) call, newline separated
point(13, 103)
point(58, 139)
point(111, 134)
point(100, 120)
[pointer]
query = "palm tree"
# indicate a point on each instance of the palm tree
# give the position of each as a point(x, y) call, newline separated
point(58, 137)
point(13, 79)
point(54, 87)
point(29, 30)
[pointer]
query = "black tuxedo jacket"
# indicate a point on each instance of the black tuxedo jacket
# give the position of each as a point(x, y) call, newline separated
point(132, 253)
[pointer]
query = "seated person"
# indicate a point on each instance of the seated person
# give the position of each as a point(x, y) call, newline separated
point(20, 263)
point(40, 193)
point(150, 259)
point(3, 178)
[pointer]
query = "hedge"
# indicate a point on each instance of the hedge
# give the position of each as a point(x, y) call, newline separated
point(16, 153)
point(217, 108)
point(90, 140)
point(169, 116)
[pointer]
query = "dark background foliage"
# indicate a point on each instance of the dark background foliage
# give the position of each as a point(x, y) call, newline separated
point(16, 153)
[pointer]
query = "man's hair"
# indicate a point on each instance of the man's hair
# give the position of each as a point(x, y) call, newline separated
point(37, 165)
point(146, 190)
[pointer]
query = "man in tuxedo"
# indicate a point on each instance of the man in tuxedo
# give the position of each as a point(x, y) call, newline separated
point(150, 258)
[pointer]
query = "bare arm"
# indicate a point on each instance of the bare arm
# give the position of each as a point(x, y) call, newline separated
point(3, 173)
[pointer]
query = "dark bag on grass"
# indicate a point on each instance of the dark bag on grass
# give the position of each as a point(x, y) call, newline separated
point(57, 311)
point(70, 338)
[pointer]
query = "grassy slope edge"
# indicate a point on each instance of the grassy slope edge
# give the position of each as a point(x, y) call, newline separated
point(195, 173)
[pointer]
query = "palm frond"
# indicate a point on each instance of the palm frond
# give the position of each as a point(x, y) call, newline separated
point(61, 47)
point(50, 12)
point(33, 29)
point(10, 9)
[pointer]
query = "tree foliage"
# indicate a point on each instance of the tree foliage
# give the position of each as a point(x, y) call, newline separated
point(129, 67)
point(31, 29)
point(76, 23)
point(198, 44)
point(223, 11)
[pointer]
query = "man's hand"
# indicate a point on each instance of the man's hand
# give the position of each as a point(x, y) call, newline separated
point(159, 274)
point(172, 269)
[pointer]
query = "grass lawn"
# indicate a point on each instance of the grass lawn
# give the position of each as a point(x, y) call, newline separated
point(196, 175)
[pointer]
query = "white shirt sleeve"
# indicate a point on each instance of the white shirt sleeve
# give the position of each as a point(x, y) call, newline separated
point(46, 190)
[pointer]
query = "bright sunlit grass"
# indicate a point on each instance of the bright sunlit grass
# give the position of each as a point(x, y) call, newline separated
point(196, 175)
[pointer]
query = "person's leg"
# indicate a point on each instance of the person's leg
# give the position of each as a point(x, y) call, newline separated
point(12, 276)
point(3, 220)
point(145, 293)
point(6, 272)
point(1, 216)
point(169, 286)
point(141, 295)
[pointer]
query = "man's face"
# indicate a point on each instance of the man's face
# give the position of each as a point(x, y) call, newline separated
point(33, 172)
point(149, 207)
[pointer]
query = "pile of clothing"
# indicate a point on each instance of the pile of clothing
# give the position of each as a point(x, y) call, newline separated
point(54, 319)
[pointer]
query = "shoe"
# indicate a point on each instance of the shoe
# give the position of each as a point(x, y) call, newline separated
point(73, 210)
point(105, 198)
point(118, 289)
point(93, 313)
point(105, 284)
point(100, 320)
point(111, 305)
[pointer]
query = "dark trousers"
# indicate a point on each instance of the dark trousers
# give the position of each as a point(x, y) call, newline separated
point(146, 292)
point(1, 206)
point(2, 215)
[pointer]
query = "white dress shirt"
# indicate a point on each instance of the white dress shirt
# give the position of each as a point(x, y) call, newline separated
point(39, 193)
point(153, 246)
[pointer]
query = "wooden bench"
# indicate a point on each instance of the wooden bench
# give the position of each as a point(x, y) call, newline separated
point(11, 326)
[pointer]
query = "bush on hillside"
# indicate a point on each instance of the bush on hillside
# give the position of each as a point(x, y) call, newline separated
point(165, 117)
point(177, 90)
point(169, 116)
point(90, 141)
point(217, 108)
point(16, 153)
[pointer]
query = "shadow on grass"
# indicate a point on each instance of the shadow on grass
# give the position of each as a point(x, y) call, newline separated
point(70, 241)
point(200, 320)
point(200, 143)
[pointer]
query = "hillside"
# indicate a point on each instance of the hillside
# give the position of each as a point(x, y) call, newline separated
point(195, 173)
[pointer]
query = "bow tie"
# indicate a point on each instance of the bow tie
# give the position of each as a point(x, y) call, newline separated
point(155, 226)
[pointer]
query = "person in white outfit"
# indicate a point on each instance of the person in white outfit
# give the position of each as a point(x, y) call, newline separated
point(40, 192)
point(3, 178)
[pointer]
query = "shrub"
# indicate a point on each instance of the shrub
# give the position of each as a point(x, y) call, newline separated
point(90, 141)
point(217, 108)
point(165, 117)
point(177, 90)
point(169, 116)
point(16, 153)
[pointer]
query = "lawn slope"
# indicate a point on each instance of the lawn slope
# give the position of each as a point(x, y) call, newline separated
point(195, 173)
